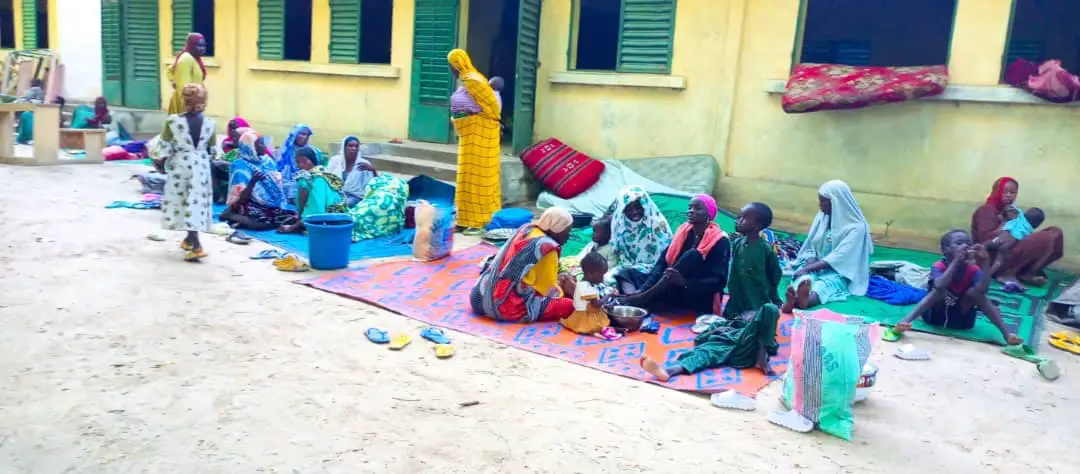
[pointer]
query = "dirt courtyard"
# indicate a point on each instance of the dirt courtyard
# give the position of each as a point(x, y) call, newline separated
point(118, 357)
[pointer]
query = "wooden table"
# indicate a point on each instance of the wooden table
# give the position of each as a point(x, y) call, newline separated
point(46, 137)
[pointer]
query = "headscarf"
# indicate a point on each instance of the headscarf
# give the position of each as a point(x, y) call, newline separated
point(268, 191)
point(554, 219)
point(194, 95)
point(287, 160)
point(361, 174)
point(997, 192)
point(841, 238)
point(189, 47)
point(467, 73)
point(638, 244)
point(101, 109)
point(710, 204)
point(241, 124)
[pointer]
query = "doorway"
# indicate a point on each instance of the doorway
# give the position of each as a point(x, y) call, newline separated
point(502, 40)
point(130, 63)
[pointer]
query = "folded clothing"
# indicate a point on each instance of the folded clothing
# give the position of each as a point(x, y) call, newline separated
point(892, 292)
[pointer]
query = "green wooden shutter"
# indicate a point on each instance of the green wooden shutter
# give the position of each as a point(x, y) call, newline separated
point(182, 13)
point(525, 71)
point(646, 36)
point(112, 49)
point(345, 31)
point(29, 24)
point(435, 34)
point(142, 80)
point(272, 29)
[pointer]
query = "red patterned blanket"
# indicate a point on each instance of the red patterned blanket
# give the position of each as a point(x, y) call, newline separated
point(814, 87)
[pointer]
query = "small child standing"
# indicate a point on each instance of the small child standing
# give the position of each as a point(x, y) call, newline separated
point(588, 316)
point(746, 336)
point(497, 83)
point(958, 288)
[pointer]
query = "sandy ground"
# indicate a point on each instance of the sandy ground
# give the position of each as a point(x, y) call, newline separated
point(116, 356)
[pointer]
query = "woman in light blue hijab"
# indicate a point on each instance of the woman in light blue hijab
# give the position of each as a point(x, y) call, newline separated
point(298, 138)
point(834, 262)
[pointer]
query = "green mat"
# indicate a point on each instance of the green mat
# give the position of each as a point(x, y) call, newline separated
point(1022, 312)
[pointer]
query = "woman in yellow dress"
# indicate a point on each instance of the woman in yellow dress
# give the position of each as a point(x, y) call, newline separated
point(475, 109)
point(187, 69)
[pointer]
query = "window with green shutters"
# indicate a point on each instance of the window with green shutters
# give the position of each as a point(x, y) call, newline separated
point(285, 30)
point(29, 24)
point(634, 36)
point(361, 31)
point(192, 16)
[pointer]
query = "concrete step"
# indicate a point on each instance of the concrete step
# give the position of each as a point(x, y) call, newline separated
point(402, 165)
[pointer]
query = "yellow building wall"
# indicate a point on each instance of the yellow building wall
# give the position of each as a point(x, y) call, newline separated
point(54, 37)
point(334, 99)
point(919, 168)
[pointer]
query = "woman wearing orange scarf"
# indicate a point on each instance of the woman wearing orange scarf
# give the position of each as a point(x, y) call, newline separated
point(692, 273)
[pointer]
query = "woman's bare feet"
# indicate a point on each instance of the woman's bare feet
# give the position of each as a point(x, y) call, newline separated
point(1036, 281)
point(655, 369)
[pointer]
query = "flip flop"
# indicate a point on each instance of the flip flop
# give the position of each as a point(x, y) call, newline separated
point(910, 352)
point(399, 341)
point(155, 237)
point(269, 254)
point(1012, 286)
point(194, 255)
point(792, 421)
point(1067, 341)
point(238, 239)
point(116, 204)
point(1049, 370)
point(378, 336)
point(444, 351)
point(891, 336)
point(435, 335)
point(291, 263)
point(733, 400)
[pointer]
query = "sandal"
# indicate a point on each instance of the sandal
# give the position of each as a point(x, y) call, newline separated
point(1013, 286)
point(435, 335)
point(1067, 341)
point(194, 255)
point(378, 336)
point(444, 351)
point(185, 245)
point(238, 238)
point(1047, 368)
point(399, 342)
point(291, 263)
point(891, 336)
point(269, 254)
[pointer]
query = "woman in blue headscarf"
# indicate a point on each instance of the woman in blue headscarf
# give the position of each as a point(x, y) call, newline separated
point(256, 199)
point(298, 138)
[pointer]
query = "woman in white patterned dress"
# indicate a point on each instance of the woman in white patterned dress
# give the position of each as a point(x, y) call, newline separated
point(187, 146)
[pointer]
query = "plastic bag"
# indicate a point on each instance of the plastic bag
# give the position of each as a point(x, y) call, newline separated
point(434, 231)
point(827, 357)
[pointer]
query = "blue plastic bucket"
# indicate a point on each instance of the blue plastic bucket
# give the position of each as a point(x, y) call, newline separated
point(329, 239)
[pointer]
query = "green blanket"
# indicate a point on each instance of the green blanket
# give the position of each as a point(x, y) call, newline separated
point(1022, 312)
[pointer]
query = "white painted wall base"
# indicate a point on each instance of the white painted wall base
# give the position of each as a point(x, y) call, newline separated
point(79, 22)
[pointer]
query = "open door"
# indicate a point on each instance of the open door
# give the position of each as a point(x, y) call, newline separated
point(141, 56)
point(112, 51)
point(435, 34)
point(528, 43)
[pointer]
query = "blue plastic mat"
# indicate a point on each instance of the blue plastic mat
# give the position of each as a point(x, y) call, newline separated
point(382, 247)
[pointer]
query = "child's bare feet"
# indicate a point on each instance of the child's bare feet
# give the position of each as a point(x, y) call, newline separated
point(789, 301)
point(655, 369)
point(901, 327)
point(1013, 339)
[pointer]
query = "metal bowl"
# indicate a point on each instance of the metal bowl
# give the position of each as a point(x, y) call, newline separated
point(626, 317)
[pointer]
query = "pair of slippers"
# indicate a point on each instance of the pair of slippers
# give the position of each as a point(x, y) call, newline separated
point(1068, 341)
point(397, 342)
point(291, 263)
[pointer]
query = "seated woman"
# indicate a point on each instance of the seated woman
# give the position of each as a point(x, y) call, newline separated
point(353, 169)
point(381, 212)
point(317, 191)
point(834, 262)
point(640, 233)
point(692, 272)
point(297, 139)
point(232, 135)
point(256, 200)
point(522, 282)
point(1024, 259)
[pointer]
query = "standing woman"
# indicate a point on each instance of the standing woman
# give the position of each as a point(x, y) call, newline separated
point(188, 68)
point(187, 146)
point(475, 111)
